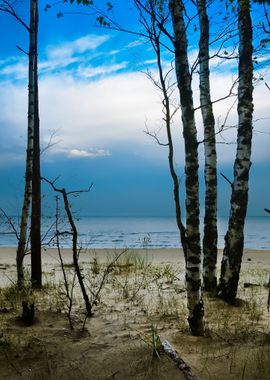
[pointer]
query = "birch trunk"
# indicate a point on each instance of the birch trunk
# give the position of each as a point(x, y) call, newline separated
point(36, 273)
point(21, 249)
point(210, 170)
point(193, 248)
point(234, 239)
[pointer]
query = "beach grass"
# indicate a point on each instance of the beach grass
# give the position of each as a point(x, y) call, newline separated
point(142, 301)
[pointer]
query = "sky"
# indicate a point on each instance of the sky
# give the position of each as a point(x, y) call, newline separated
point(96, 101)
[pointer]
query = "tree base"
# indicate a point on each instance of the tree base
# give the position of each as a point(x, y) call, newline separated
point(210, 286)
point(196, 322)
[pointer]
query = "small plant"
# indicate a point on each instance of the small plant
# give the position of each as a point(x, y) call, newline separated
point(95, 266)
point(152, 339)
point(131, 262)
point(13, 296)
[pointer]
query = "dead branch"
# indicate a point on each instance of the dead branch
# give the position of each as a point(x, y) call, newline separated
point(6, 7)
point(22, 50)
point(68, 293)
point(181, 364)
point(50, 143)
point(227, 179)
point(154, 135)
point(229, 95)
point(74, 232)
point(9, 221)
point(96, 293)
point(106, 273)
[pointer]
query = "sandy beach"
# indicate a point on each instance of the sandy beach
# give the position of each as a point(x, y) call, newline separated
point(174, 256)
point(142, 298)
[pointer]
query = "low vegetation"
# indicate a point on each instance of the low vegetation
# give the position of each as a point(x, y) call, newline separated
point(140, 304)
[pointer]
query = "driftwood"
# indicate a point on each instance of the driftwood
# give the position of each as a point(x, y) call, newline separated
point(181, 364)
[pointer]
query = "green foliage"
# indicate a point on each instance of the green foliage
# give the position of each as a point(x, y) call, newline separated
point(109, 6)
point(102, 21)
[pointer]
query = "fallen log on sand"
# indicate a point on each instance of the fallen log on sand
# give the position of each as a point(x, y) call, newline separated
point(181, 364)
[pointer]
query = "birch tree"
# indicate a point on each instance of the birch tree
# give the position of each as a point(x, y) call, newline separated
point(21, 248)
point(32, 150)
point(210, 156)
point(153, 18)
point(234, 239)
point(193, 247)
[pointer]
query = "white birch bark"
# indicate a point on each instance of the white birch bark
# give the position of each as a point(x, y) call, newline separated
point(193, 262)
point(234, 239)
point(210, 170)
point(29, 156)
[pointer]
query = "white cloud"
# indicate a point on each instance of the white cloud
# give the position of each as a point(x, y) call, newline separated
point(18, 70)
point(138, 42)
point(57, 57)
point(90, 72)
point(78, 46)
point(110, 113)
point(81, 153)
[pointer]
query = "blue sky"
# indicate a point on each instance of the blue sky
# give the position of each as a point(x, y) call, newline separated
point(97, 102)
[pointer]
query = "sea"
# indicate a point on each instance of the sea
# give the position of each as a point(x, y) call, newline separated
point(139, 232)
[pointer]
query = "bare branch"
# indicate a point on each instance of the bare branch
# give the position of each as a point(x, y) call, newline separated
point(267, 86)
point(155, 137)
point(9, 221)
point(68, 293)
point(229, 95)
point(23, 51)
point(50, 143)
point(74, 231)
point(227, 179)
point(63, 191)
point(6, 7)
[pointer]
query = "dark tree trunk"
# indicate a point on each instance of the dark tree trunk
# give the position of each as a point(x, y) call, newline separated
point(234, 239)
point(36, 272)
point(167, 118)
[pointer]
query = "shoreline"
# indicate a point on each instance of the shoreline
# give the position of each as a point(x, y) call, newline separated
point(173, 257)
point(157, 255)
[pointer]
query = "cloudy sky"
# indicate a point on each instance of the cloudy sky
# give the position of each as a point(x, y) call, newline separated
point(95, 104)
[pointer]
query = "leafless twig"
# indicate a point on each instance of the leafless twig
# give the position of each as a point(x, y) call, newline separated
point(227, 179)
point(74, 232)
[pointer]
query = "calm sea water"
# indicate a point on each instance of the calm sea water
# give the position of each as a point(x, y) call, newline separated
point(153, 232)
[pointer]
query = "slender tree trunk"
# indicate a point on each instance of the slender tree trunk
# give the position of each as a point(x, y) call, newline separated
point(29, 161)
point(36, 273)
point(166, 103)
point(88, 305)
point(210, 171)
point(234, 239)
point(193, 263)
